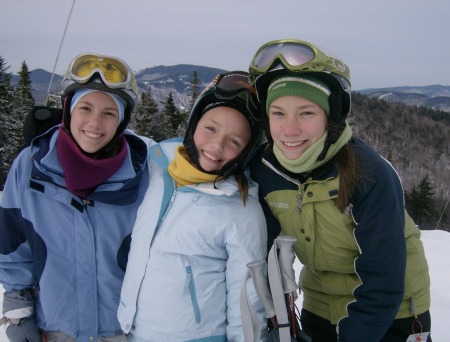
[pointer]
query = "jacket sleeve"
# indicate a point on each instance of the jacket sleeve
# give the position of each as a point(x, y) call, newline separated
point(378, 210)
point(16, 261)
point(246, 241)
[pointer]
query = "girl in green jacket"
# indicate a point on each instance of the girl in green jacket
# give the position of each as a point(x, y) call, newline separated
point(365, 276)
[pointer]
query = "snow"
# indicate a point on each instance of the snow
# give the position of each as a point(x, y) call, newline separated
point(437, 249)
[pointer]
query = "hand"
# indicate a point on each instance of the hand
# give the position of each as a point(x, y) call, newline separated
point(19, 317)
point(25, 331)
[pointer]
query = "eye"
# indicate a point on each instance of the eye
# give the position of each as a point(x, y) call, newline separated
point(306, 113)
point(235, 142)
point(84, 107)
point(210, 128)
point(276, 113)
point(113, 114)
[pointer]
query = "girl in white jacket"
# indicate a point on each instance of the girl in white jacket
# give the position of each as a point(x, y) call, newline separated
point(199, 225)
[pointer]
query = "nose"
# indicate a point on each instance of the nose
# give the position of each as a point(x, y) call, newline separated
point(218, 142)
point(95, 119)
point(291, 126)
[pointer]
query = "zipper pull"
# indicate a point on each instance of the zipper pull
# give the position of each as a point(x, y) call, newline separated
point(299, 202)
point(187, 284)
point(413, 306)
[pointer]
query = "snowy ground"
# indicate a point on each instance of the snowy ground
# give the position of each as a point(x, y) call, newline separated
point(437, 248)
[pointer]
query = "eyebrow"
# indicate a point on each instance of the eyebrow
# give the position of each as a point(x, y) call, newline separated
point(297, 107)
point(91, 104)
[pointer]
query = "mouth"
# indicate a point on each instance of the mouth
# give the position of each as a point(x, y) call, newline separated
point(92, 134)
point(294, 144)
point(211, 157)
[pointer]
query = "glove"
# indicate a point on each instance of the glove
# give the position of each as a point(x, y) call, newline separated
point(39, 120)
point(18, 317)
point(25, 331)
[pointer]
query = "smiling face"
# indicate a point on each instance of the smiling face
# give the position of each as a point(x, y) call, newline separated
point(295, 124)
point(94, 121)
point(220, 136)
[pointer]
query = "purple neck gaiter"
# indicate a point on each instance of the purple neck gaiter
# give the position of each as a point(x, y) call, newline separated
point(82, 173)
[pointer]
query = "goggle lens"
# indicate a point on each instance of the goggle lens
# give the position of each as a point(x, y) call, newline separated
point(293, 53)
point(114, 72)
point(235, 85)
point(234, 82)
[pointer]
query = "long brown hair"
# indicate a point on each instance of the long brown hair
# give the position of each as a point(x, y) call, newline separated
point(242, 183)
point(349, 175)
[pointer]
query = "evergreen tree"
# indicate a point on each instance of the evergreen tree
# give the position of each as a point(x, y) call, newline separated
point(147, 120)
point(182, 127)
point(194, 90)
point(6, 98)
point(23, 103)
point(175, 118)
point(420, 204)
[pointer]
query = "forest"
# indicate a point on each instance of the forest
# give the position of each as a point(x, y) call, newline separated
point(414, 139)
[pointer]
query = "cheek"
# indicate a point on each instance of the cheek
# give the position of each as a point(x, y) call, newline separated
point(112, 126)
point(75, 122)
point(232, 153)
point(321, 129)
point(197, 138)
point(274, 126)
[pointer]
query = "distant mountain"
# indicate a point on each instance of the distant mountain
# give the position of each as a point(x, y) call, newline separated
point(433, 96)
point(162, 79)
point(176, 79)
point(40, 80)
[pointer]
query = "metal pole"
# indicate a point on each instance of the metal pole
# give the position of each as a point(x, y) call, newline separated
point(443, 211)
point(59, 50)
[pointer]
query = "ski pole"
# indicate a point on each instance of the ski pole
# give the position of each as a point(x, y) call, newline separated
point(286, 258)
point(278, 296)
point(262, 289)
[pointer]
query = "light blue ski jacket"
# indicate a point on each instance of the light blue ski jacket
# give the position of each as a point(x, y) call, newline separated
point(74, 250)
point(188, 256)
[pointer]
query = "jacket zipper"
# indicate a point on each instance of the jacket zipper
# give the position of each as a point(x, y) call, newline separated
point(190, 287)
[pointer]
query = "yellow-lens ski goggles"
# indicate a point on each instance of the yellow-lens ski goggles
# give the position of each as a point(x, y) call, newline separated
point(114, 72)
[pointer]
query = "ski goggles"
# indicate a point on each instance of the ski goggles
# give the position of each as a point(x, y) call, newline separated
point(295, 55)
point(235, 85)
point(115, 73)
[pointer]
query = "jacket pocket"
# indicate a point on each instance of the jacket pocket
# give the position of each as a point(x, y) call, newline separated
point(190, 288)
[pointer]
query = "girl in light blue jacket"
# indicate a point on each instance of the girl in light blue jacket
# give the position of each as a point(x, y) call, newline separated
point(199, 225)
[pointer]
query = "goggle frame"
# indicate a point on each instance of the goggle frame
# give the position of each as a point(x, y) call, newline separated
point(317, 62)
point(102, 64)
point(242, 90)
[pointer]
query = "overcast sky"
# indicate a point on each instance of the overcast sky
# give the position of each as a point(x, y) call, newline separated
point(385, 42)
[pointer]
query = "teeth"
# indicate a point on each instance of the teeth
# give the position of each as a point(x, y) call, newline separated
point(293, 144)
point(92, 135)
point(210, 156)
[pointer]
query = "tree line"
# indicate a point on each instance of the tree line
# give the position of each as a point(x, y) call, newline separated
point(421, 201)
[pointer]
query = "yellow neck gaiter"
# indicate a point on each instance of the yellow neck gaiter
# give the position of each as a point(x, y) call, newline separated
point(184, 173)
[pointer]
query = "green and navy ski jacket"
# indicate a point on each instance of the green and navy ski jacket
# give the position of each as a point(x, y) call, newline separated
point(73, 251)
point(362, 268)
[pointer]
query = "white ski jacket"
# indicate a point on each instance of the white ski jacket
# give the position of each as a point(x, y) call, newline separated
point(188, 256)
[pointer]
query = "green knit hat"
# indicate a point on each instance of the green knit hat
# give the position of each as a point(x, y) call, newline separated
point(302, 86)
